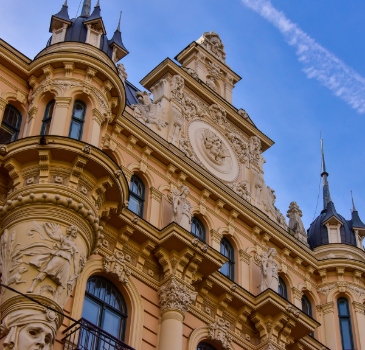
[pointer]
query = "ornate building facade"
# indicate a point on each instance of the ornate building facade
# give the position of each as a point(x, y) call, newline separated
point(132, 222)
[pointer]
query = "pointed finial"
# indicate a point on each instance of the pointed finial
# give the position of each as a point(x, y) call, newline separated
point(353, 203)
point(65, 4)
point(86, 8)
point(120, 18)
point(98, 4)
point(324, 175)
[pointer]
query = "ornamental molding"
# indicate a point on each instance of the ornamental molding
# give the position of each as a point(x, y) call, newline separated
point(116, 265)
point(219, 331)
point(175, 295)
point(213, 44)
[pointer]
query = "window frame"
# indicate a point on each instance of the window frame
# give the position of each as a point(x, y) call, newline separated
point(196, 224)
point(47, 119)
point(12, 130)
point(282, 285)
point(75, 120)
point(347, 318)
point(225, 242)
point(105, 306)
point(140, 198)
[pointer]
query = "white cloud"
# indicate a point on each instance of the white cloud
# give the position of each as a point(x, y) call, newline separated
point(318, 62)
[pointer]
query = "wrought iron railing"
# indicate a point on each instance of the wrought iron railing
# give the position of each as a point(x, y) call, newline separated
point(83, 335)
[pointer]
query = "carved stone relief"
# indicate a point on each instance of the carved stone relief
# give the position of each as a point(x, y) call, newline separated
point(181, 207)
point(219, 331)
point(213, 150)
point(122, 73)
point(269, 271)
point(176, 295)
point(213, 44)
point(218, 114)
point(241, 189)
point(295, 222)
point(116, 264)
point(147, 112)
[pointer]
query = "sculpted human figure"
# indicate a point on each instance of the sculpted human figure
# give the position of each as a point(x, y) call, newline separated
point(213, 146)
point(29, 330)
point(56, 265)
point(181, 208)
point(146, 111)
point(269, 271)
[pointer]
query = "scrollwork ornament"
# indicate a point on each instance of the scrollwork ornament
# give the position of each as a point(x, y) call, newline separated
point(116, 264)
point(176, 295)
point(219, 331)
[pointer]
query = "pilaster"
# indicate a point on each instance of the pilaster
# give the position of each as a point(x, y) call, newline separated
point(59, 119)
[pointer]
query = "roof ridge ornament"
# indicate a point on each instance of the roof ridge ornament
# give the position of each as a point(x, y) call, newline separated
point(324, 175)
point(353, 203)
point(212, 42)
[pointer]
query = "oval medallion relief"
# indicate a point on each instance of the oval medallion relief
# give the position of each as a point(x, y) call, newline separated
point(213, 150)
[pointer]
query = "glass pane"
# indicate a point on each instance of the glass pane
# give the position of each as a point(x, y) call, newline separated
point(75, 131)
point(225, 269)
point(342, 307)
point(79, 111)
point(134, 205)
point(5, 136)
point(346, 334)
point(91, 311)
point(46, 127)
point(112, 323)
point(11, 117)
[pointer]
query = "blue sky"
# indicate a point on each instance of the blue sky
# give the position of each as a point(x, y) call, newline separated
point(291, 97)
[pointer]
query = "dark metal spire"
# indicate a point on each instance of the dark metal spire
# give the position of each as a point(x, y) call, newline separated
point(120, 18)
point(353, 203)
point(86, 7)
point(324, 175)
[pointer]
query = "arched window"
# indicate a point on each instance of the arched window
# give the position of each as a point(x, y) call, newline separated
point(227, 250)
point(46, 122)
point(345, 324)
point(306, 306)
point(136, 195)
point(10, 125)
point(205, 346)
point(282, 289)
point(77, 121)
point(104, 307)
point(197, 228)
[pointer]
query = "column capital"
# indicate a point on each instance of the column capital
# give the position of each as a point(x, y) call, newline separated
point(175, 295)
point(63, 101)
point(359, 307)
point(297, 294)
point(327, 308)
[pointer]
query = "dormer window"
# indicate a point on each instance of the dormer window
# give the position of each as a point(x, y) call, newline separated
point(93, 35)
point(59, 34)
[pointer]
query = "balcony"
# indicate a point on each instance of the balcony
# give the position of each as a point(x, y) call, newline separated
point(83, 335)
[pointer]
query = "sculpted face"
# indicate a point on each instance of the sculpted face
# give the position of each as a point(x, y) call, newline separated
point(36, 336)
point(216, 147)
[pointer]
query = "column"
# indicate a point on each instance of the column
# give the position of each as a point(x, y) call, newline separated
point(297, 297)
point(43, 250)
point(96, 122)
point(360, 318)
point(329, 323)
point(59, 119)
point(175, 299)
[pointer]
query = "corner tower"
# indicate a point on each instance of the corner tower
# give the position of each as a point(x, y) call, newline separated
point(331, 227)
